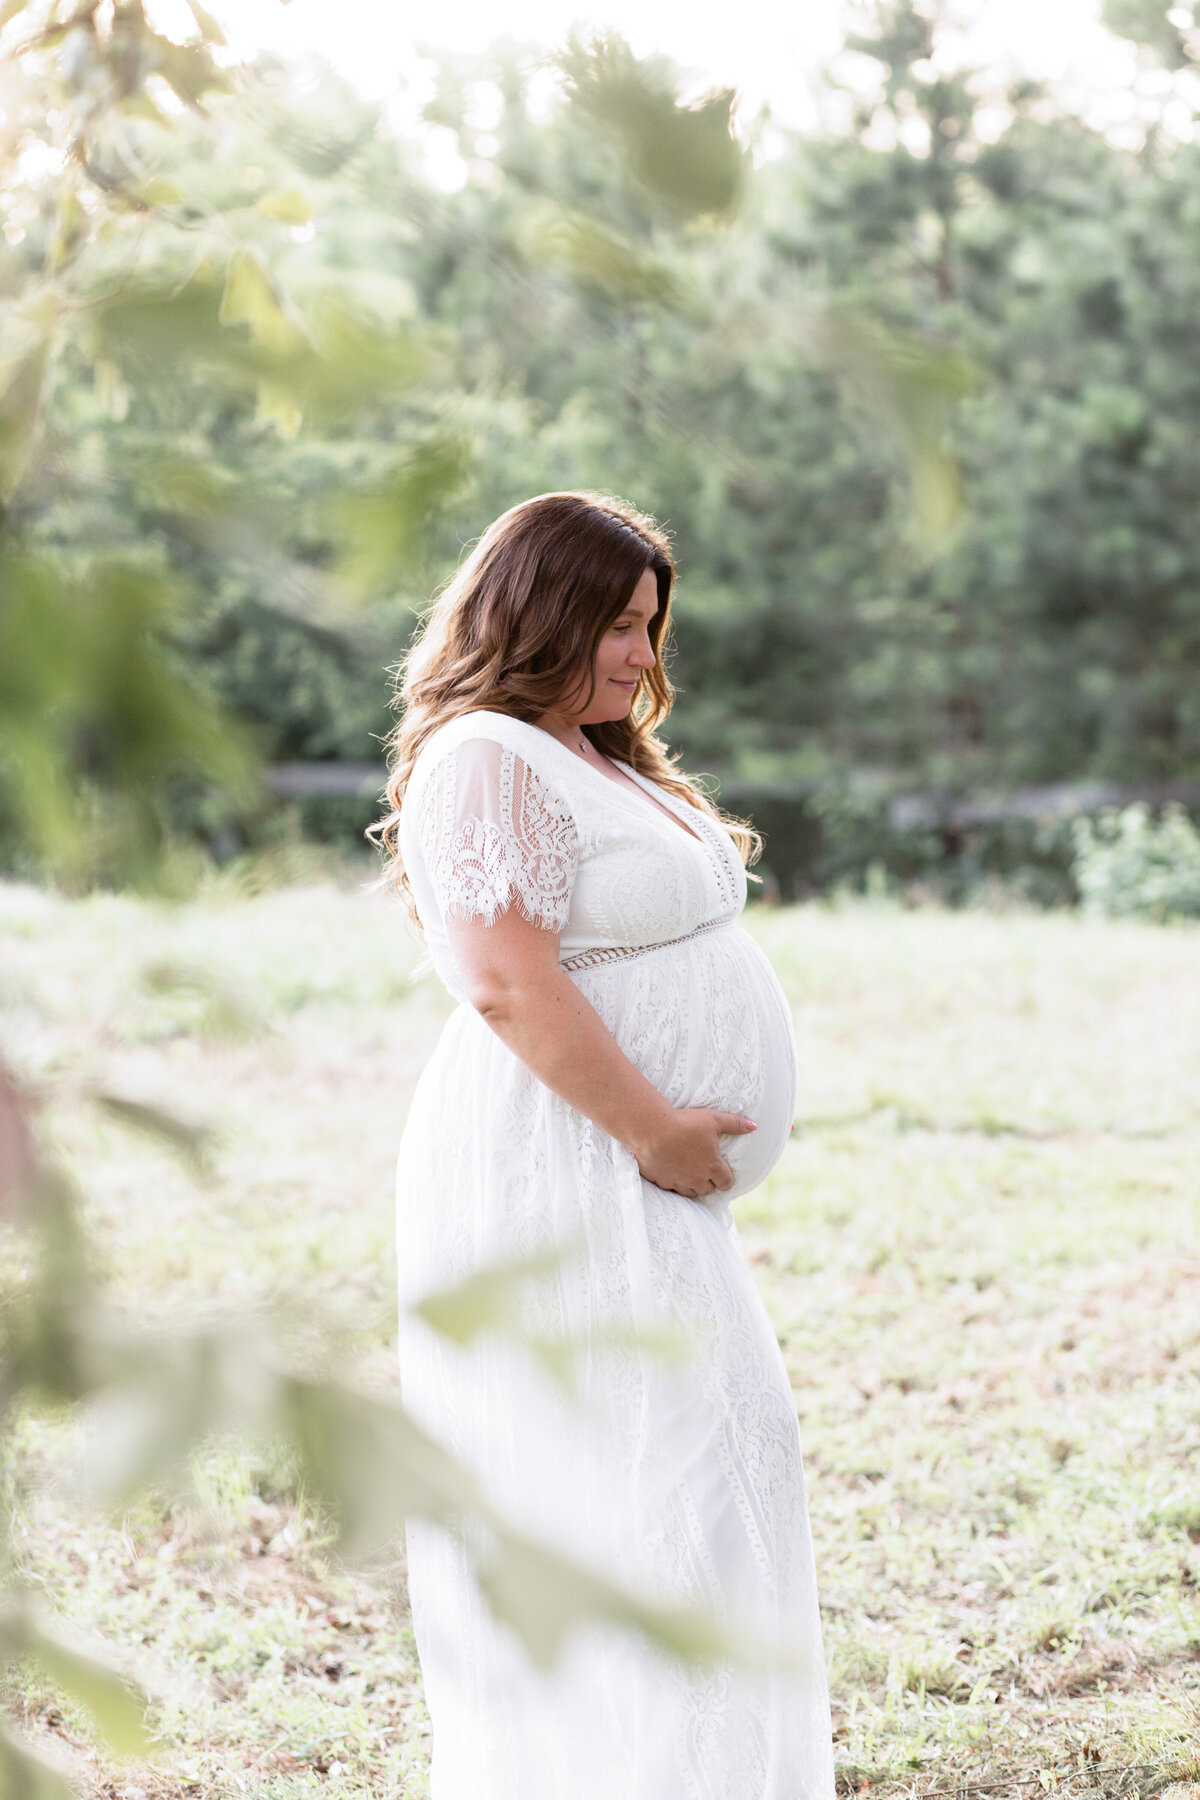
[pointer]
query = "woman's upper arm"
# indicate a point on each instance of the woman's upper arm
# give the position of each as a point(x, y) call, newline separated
point(511, 955)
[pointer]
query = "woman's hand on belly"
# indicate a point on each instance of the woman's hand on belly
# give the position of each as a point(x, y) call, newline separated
point(683, 1154)
point(511, 975)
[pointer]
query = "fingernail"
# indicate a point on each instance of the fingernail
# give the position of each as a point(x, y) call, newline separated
point(750, 1123)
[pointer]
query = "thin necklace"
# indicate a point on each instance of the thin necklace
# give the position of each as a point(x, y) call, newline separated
point(582, 747)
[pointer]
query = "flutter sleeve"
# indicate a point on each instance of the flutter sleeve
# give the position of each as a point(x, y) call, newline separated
point(494, 835)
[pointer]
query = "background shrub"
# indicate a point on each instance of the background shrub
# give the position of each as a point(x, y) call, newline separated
point(1131, 863)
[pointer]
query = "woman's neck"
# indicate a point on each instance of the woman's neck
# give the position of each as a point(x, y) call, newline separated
point(568, 733)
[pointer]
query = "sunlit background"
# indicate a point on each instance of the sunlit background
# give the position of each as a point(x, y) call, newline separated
point(775, 56)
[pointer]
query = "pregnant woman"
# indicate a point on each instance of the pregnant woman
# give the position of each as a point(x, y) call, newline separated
point(619, 1068)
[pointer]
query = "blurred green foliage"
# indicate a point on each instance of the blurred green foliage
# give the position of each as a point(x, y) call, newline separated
point(289, 374)
point(1130, 864)
point(181, 434)
point(916, 398)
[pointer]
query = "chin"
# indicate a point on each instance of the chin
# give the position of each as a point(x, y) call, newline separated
point(608, 710)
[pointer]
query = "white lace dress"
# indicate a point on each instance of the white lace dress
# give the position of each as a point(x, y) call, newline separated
point(681, 1478)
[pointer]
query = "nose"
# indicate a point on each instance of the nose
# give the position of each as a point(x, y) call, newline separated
point(641, 656)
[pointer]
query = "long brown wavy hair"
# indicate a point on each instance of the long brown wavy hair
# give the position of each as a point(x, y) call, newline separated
point(518, 627)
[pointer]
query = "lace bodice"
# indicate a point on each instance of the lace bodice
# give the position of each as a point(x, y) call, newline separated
point(498, 813)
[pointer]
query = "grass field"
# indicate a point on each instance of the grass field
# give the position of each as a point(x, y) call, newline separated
point(981, 1252)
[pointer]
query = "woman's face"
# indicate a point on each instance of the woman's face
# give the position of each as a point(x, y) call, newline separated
point(622, 658)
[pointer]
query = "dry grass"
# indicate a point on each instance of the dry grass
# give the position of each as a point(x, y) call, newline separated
point(982, 1253)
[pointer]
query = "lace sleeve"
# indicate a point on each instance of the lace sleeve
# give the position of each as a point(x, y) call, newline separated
point(493, 835)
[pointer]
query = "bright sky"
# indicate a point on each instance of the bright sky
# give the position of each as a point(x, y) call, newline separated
point(772, 51)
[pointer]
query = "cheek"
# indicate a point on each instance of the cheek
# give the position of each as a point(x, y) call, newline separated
point(610, 657)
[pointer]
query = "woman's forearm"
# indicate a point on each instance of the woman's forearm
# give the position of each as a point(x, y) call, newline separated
point(562, 1039)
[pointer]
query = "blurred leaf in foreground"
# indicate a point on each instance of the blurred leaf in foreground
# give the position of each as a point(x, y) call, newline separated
point(115, 1706)
point(92, 713)
point(599, 260)
point(224, 1012)
point(379, 526)
point(192, 1143)
point(685, 154)
point(16, 1149)
point(251, 298)
point(288, 205)
point(502, 1298)
point(22, 381)
point(366, 1461)
point(492, 1299)
point(373, 1466)
point(158, 1394)
point(544, 1596)
point(26, 1776)
point(909, 386)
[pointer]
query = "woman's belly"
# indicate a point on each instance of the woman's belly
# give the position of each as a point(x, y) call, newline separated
point(706, 1021)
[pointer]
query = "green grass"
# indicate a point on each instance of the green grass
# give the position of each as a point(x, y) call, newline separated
point(981, 1251)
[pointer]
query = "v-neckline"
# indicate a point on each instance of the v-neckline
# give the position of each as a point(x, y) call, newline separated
point(646, 784)
point(640, 781)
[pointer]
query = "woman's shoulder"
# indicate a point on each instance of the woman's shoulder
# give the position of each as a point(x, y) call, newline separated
point(485, 727)
point(487, 733)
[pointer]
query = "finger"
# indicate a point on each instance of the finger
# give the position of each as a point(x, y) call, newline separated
point(733, 1124)
point(724, 1180)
